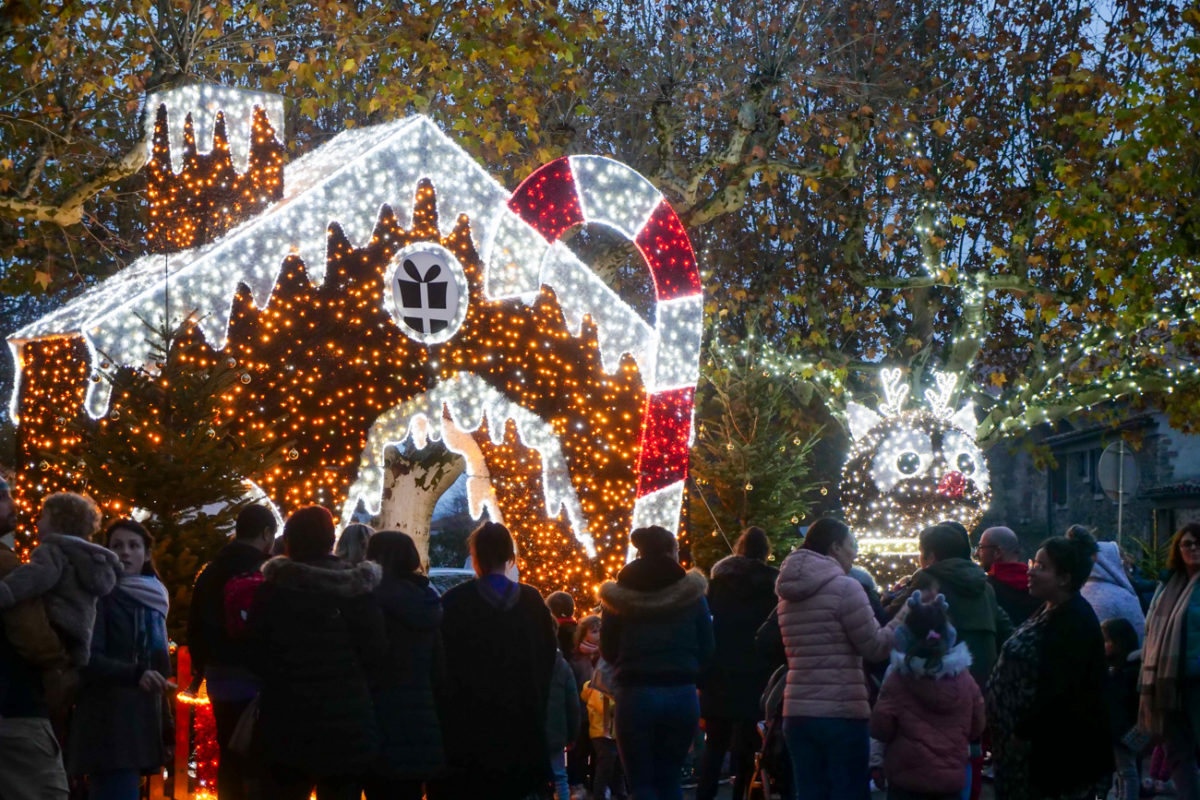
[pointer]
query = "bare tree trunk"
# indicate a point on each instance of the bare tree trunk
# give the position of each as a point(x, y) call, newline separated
point(415, 481)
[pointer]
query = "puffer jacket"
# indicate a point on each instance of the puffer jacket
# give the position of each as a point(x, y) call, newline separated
point(981, 624)
point(927, 720)
point(1109, 591)
point(655, 629)
point(317, 635)
point(828, 629)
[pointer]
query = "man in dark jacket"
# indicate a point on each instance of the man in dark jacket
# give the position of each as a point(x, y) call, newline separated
point(31, 765)
point(999, 554)
point(317, 635)
point(218, 658)
point(741, 595)
point(500, 652)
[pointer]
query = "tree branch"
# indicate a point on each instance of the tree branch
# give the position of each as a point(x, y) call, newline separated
point(70, 211)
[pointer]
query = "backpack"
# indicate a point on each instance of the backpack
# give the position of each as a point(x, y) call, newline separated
point(240, 591)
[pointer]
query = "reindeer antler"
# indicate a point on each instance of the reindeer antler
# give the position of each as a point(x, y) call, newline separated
point(895, 391)
point(940, 400)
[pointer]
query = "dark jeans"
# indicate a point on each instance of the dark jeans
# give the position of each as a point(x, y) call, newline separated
point(829, 757)
point(895, 793)
point(608, 770)
point(655, 726)
point(579, 756)
point(231, 769)
point(378, 788)
point(739, 737)
point(115, 784)
point(284, 783)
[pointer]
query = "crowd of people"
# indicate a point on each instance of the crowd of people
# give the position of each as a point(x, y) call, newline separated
point(333, 665)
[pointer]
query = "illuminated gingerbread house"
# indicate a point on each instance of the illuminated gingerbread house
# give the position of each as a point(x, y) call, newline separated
point(384, 286)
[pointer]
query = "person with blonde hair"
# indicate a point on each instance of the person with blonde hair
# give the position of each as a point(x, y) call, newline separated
point(67, 571)
point(352, 544)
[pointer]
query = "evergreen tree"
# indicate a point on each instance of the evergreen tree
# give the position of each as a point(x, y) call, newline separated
point(752, 461)
point(165, 450)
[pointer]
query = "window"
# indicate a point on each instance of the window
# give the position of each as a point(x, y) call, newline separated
point(1058, 485)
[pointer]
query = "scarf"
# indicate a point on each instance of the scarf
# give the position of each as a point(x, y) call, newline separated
point(153, 603)
point(1162, 653)
point(1011, 573)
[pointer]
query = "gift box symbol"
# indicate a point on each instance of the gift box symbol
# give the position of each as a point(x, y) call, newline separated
point(423, 298)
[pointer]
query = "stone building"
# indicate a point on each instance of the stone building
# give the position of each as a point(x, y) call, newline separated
point(1038, 496)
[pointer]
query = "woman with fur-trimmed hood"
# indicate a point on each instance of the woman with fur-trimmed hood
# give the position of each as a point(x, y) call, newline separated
point(318, 635)
point(657, 633)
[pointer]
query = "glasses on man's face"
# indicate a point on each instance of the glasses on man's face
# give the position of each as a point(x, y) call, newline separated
point(1189, 544)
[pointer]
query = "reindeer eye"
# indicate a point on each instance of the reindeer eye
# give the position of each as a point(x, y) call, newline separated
point(908, 463)
point(966, 464)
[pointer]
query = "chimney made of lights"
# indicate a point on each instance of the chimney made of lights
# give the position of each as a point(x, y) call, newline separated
point(195, 196)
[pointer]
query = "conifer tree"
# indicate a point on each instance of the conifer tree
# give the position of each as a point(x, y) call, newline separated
point(752, 461)
point(165, 451)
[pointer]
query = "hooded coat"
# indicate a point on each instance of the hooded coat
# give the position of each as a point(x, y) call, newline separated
point(928, 718)
point(500, 653)
point(741, 595)
point(318, 634)
point(655, 629)
point(69, 574)
point(828, 629)
point(1110, 592)
point(410, 734)
point(981, 624)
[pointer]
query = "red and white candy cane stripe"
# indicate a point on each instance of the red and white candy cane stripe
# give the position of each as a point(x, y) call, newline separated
point(593, 189)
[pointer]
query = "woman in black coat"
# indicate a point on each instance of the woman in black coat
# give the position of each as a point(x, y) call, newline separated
point(500, 653)
point(317, 633)
point(1045, 698)
point(741, 595)
point(118, 731)
point(410, 736)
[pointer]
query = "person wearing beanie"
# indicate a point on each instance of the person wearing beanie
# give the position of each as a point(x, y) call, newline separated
point(657, 633)
point(929, 706)
point(562, 608)
point(317, 638)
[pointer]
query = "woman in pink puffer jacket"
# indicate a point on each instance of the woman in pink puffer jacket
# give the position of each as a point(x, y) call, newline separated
point(828, 629)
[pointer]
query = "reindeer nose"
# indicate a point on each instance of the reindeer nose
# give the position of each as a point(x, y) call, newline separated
point(952, 485)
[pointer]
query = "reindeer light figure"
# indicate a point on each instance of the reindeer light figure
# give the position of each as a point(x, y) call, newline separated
point(911, 468)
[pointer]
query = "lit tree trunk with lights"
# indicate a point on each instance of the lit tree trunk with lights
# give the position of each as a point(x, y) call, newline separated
point(415, 480)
